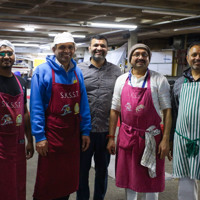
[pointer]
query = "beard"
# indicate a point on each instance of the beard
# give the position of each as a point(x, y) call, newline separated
point(98, 58)
point(6, 65)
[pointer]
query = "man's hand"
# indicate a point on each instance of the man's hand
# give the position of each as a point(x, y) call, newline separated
point(170, 155)
point(111, 146)
point(85, 142)
point(42, 147)
point(29, 150)
point(163, 148)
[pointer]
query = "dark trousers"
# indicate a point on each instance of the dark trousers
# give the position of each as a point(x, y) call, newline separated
point(61, 198)
point(98, 143)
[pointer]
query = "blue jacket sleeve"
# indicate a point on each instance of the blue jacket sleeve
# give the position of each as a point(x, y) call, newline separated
point(37, 107)
point(85, 124)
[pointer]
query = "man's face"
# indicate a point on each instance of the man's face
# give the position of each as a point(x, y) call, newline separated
point(98, 49)
point(64, 52)
point(193, 57)
point(7, 58)
point(140, 59)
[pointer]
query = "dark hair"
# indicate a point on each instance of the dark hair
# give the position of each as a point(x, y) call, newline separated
point(99, 37)
point(191, 45)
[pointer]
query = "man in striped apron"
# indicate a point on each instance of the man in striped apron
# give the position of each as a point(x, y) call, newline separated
point(186, 123)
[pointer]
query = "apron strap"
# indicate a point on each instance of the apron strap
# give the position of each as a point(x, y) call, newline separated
point(185, 80)
point(18, 83)
point(191, 145)
point(53, 76)
point(145, 79)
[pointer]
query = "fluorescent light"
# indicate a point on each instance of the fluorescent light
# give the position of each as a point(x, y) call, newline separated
point(52, 34)
point(121, 26)
point(78, 36)
point(80, 44)
point(168, 13)
point(187, 28)
point(74, 35)
point(29, 28)
point(25, 45)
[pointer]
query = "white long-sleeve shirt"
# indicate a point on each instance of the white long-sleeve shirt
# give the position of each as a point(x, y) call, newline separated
point(160, 90)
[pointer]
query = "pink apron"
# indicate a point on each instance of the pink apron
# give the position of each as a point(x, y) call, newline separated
point(58, 172)
point(12, 147)
point(138, 114)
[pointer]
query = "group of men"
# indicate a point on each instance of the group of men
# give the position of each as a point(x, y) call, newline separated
point(74, 113)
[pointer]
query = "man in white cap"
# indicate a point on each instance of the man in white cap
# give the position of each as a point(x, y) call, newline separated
point(14, 124)
point(139, 95)
point(60, 116)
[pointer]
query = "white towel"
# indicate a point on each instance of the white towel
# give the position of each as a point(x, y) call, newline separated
point(149, 155)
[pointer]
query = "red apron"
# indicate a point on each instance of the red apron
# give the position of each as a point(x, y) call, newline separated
point(12, 147)
point(137, 113)
point(58, 172)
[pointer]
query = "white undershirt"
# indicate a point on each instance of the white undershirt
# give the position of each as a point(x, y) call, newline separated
point(160, 90)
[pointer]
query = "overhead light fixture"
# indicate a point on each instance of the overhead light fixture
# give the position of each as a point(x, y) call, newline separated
point(29, 28)
point(74, 35)
point(186, 28)
point(120, 26)
point(121, 19)
point(25, 45)
point(168, 13)
point(78, 36)
point(52, 34)
point(80, 44)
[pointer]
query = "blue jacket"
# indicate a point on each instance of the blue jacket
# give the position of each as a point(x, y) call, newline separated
point(41, 85)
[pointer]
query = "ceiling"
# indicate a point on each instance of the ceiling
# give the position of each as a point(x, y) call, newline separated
point(154, 19)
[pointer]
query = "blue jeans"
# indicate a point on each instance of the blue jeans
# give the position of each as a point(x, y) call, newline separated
point(98, 143)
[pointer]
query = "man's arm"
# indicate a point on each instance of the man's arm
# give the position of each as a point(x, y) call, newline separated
point(112, 128)
point(85, 123)
point(27, 125)
point(37, 111)
point(163, 148)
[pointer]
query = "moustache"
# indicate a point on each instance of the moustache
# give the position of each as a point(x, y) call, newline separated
point(99, 51)
point(141, 60)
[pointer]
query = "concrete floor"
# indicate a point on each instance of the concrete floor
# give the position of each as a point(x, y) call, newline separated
point(113, 193)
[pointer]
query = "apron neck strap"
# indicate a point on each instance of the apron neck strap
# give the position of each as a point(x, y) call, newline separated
point(53, 76)
point(18, 83)
point(185, 80)
point(145, 79)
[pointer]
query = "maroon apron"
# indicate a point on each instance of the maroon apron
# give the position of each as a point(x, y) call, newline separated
point(138, 114)
point(58, 172)
point(12, 147)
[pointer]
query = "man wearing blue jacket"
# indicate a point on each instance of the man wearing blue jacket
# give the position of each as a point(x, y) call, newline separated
point(59, 114)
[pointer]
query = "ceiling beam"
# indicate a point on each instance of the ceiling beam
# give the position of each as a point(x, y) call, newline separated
point(124, 6)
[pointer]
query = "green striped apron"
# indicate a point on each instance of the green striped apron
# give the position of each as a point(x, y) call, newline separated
point(186, 156)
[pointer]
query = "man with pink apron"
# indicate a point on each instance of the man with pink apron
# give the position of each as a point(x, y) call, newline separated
point(186, 126)
point(141, 146)
point(59, 115)
point(14, 121)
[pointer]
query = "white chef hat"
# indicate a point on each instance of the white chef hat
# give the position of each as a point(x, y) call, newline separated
point(63, 38)
point(7, 44)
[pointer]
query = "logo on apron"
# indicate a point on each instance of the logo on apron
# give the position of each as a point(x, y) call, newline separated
point(66, 110)
point(19, 120)
point(139, 108)
point(128, 107)
point(6, 120)
point(76, 108)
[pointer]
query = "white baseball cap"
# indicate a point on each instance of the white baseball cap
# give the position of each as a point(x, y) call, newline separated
point(63, 38)
point(7, 44)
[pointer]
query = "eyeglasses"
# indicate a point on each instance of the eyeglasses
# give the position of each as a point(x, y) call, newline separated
point(137, 55)
point(3, 54)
